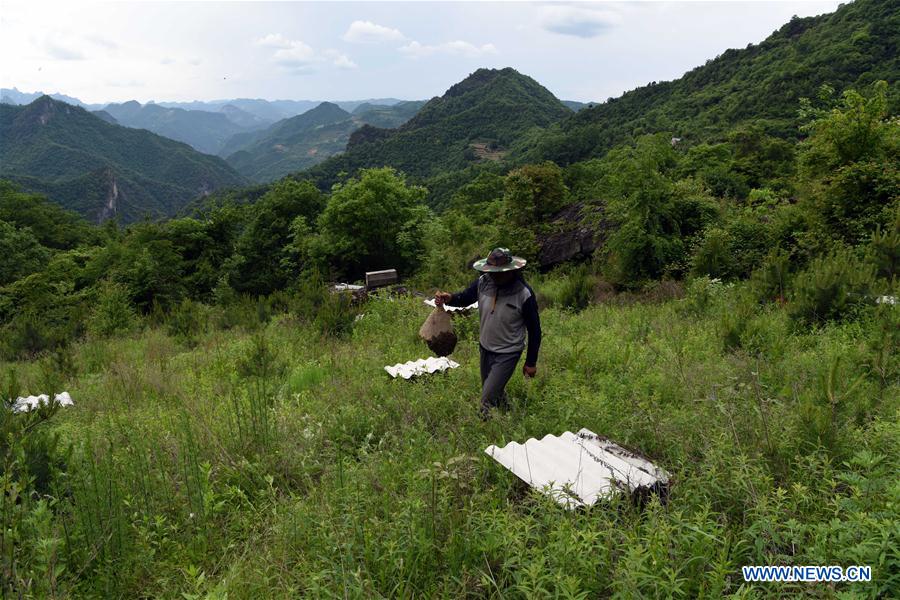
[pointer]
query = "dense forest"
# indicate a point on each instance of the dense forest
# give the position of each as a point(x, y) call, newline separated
point(745, 279)
point(100, 169)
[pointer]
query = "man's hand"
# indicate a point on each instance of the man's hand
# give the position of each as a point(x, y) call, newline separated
point(529, 371)
point(441, 297)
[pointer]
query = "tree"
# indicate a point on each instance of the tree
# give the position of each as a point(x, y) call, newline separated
point(20, 253)
point(258, 265)
point(851, 165)
point(360, 228)
point(656, 217)
point(534, 192)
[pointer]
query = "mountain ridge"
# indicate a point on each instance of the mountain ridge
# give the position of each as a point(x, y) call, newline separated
point(101, 169)
point(490, 107)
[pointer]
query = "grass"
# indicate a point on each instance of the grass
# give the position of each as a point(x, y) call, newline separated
point(278, 462)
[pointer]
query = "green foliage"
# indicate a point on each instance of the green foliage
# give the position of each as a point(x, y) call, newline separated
point(361, 226)
point(851, 163)
point(533, 193)
point(52, 226)
point(884, 250)
point(332, 314)
point(187, 322)
point(758, 86)
point(113, 312)
point(736, 248)
point(260, 265)
point(577, 291)
point(833, 287)
point(20, 253)
point(32, 461)
point(772, 279)
point(498, 105)
point(102, 170)
point(656, 217)
point(181, 457)
point(290, 145)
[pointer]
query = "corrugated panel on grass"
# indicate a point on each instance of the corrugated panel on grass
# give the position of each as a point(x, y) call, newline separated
point(579, 469)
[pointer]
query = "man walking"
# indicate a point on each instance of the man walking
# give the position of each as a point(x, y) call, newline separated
point(507, 307)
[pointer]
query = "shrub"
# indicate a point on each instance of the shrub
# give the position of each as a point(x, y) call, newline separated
point(736, 323)
point(186, 322)
point(333, 314)
point(770, 281)
point(113, 312)
point(832, 288)
point(703, 293)
point(31, 460)
point(577, 289)
point(884, 250)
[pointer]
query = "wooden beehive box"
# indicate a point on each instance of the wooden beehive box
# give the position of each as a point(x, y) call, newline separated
point(376, 279)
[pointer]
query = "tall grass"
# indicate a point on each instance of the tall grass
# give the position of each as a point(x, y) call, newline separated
point(279, 460)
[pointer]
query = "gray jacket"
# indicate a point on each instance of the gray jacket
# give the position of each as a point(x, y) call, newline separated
point(507, 313)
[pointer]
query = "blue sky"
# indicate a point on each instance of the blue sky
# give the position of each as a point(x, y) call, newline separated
point(117, 51)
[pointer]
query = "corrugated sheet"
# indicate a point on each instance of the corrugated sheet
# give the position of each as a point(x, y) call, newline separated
point(422, 366)
point(474, 305)
point(578, 469)
point(29, 403)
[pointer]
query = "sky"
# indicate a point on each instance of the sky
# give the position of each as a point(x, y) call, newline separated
point(179, 51)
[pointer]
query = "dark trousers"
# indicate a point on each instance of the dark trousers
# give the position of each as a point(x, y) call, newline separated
point(496, 370)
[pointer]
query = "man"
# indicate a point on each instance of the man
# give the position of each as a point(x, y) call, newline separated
point(507, 307)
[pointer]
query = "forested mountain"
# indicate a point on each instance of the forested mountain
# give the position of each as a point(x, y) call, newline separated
point(99, 169)
point(307, 139)
point(204, 131)
point(244, 118)
point(852, 47)
point(475, 120)
point(291, 144)
point(388, 116)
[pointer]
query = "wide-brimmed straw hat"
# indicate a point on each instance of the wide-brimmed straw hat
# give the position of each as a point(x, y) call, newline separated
point(499, 260)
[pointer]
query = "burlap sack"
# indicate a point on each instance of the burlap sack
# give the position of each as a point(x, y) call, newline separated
point(437, 331)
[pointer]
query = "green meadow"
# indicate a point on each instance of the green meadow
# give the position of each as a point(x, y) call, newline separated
point(256, 454)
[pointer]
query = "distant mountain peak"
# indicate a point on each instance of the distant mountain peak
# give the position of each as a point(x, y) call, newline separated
point(482, 77)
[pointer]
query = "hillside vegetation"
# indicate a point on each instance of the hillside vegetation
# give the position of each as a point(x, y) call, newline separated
point(852, 47)
point(234, 433)
point(306, 139)
point(99, 169)
point(204, 131)
point(495, 106)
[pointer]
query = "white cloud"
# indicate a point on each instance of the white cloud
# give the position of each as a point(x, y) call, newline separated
point(455, 48)
point(299, 57)
point(274, 40)
point(367, 32)
point(341, 61)
point(578, 21)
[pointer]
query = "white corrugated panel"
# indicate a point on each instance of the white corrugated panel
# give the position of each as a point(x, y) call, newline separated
point(578, 469)
point(430, 302)
point(423, 366)
point(29, 403)
point(346, 287)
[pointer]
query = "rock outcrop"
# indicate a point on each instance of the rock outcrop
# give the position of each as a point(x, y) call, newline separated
point(576, 232)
